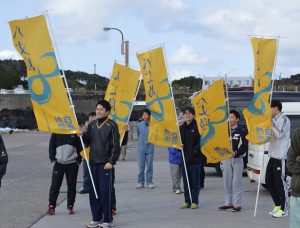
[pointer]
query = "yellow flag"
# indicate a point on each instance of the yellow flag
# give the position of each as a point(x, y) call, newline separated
point(121, 93)
point(163, 129)
point(49, 99)
point(258, 113)
point(211, 116)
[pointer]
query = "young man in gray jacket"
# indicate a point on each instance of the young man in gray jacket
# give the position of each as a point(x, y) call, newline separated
point(275, 172)
point(233, 167)
point(64, 153)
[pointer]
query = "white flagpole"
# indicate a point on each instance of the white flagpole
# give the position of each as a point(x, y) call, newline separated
point(70, 98)
point(262, 163)
point(274, 70)
point(182, 152)
point(227, 102)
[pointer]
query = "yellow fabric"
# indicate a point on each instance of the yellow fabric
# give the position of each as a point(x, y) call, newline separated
point(163, 129)
point(212, 121)
point(258, 113)
point(120, 93)
point(87, 150)
point(48, 95)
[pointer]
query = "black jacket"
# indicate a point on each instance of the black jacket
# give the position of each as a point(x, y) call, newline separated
point(65, 149)
point(239, 141)
point(103, 137)
point(191, 143)
point(3, 153)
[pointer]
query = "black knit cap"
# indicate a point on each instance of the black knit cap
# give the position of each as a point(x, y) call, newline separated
point(105, 104)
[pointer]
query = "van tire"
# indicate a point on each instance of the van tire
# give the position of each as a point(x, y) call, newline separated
point(219, 170)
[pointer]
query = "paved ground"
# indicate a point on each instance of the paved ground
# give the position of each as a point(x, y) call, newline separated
point(23, 198)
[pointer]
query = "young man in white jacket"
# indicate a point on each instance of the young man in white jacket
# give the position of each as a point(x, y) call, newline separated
point(275, 173)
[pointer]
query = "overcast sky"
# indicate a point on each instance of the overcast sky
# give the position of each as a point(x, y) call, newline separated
point(200, 37)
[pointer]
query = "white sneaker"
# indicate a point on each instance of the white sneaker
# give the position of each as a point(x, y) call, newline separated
point(106, 225)
point(279, 214)
point(275, 208)
point(93, 224)
point(151, 185)
point(178, 191)
point(139, 185)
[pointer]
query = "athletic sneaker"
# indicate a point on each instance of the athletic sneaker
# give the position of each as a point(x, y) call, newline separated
point(93, 224)
point(194, 206)
point(275, 208)
point(83, 191)
point(70, 209)
point(105, 224)
point(225, 207)
point(178, 191)
point(185, 205)
point(151, 185)
point(114, 211)
point(279, 214)
point(51, 210)
point(236, 209)
point(139, 185)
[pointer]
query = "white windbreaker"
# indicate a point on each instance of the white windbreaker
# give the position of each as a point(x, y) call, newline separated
point(279, 146)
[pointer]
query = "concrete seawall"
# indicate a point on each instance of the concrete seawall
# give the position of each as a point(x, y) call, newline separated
point(15, 101)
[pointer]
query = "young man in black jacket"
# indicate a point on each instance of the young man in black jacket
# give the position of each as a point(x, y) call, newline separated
point(64, 153)
point(3, 159)
point(193, 158)
point(234, 166)
point(103, 137)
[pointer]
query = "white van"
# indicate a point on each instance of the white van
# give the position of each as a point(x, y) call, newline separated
point(258, 157)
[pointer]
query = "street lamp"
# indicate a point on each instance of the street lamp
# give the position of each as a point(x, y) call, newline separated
point(124, 45)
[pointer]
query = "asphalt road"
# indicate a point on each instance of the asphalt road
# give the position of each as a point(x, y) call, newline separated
point(24, 195)
point(25, 187)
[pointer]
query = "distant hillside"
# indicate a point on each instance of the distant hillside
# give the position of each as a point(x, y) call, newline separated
point(12, 73)
point(191, 83)
point(293, 80)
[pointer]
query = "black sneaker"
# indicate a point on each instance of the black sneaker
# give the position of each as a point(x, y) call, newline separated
point(226, 207)
point(236, 209)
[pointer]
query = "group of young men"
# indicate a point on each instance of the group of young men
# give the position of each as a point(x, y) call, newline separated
point(102, 136)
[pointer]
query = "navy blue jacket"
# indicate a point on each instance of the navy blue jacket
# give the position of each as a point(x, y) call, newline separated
point(239, 141)
point(191, 143)
point(175, 156)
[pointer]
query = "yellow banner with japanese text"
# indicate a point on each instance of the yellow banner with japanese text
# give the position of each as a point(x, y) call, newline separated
point(163, 129)
point(49, 99)
point(120, 93)
point(258, 113)
point(212, 121)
